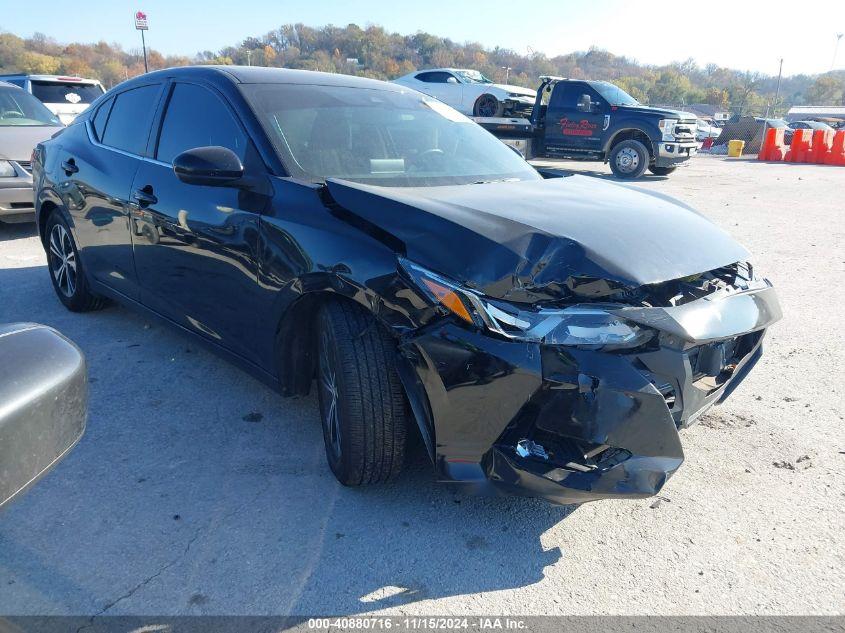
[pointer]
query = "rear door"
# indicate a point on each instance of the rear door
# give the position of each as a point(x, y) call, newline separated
point(97, 164)
point(195, 246)
point(569, 128)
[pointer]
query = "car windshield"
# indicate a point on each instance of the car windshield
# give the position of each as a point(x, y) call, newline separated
point(65, 92)
point(613, 94)
point(19, 108)
point(472, 77)
point(381, 137)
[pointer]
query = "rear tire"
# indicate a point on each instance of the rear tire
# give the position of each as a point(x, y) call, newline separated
point(66, 270)
point(629, 159)
point(362, 403)
point(661, 171)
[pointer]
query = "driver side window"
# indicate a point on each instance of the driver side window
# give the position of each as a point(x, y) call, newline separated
point(435, 77)
point(187, 127)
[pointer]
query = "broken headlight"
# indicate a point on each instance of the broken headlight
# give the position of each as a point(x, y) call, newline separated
point(582, 325)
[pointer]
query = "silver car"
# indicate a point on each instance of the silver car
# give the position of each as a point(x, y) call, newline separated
point(24, 122)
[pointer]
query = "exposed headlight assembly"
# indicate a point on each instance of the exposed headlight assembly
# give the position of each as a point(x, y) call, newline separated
point(7, 170)
point(581, 325)
point(667, 128)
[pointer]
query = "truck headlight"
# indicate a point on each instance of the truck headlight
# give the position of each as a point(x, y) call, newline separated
point(667, 128)
point(591, 326)
point(7, 170)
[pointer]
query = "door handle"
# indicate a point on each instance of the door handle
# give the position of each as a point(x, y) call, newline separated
point(144, 197)
point(69, 166)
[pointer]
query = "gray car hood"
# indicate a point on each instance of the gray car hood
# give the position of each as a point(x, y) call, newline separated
point(542, 240)
point(18, 141)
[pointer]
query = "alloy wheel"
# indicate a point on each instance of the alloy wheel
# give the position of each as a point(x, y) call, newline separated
point(487, 106)
point(63, 260)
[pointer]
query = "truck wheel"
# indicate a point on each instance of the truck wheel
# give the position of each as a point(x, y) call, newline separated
point(66, 272)
point(661, 171)
point(488, 106)
point(629, 159)
point(362, 403)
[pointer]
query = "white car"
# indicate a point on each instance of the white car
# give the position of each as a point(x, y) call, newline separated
point(66, 97)
point(470, 92)
point(705, 129)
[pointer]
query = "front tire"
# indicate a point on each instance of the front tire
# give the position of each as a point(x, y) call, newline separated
point(661, 171)
point(65, 267)
point(362, 403)
point(488, 106)
point(629, 159)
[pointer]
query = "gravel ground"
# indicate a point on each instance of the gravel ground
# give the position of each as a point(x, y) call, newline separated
point(197, 490)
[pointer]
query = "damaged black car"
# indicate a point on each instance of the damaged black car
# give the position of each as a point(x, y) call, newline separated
point(547, 336)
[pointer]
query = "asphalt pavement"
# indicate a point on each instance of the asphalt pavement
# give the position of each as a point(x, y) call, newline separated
point(198, 490)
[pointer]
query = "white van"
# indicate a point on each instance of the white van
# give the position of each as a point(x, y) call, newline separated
point(66, 97)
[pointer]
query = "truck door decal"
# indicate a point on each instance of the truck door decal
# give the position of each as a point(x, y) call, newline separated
point(606, 122)
point(576, 128)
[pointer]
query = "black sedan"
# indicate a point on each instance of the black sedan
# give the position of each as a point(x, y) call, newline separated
point(547, 336)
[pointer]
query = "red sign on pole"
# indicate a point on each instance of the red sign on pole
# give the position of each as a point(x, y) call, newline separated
point(141, 21)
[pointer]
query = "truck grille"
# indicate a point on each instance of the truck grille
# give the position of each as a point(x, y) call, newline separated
point(685, 130)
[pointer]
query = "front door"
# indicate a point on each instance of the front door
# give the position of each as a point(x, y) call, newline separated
point(571, 124)
point(195, 246)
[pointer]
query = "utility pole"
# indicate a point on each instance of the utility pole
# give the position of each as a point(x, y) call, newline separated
point(507, 70)
point(248, 57)
point(777, 89)
point(836, 50)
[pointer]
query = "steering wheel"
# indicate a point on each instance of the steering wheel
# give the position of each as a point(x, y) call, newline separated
point(428, 154)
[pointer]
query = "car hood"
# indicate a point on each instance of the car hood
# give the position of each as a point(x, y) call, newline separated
point(525, 92)
point(661, 112)
point(545, 240)
point(17, 142)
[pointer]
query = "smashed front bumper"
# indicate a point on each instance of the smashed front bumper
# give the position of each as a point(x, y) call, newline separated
point(572, 425)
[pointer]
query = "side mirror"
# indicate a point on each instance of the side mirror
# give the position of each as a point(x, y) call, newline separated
point(451, 80)
point(585, 104)
point(211, 166)
point(44, 396)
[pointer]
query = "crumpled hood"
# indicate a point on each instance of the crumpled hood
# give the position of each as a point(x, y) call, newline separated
point(517, 90)
point(18, 141)
point(541, 240)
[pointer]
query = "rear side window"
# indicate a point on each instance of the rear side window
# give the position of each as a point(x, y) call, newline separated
point(566, 95)
point(70, 92)
point(99, 120)
point(128, 125)
point(196, 117)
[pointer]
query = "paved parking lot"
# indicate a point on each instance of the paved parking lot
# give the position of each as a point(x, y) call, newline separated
point(197, 490)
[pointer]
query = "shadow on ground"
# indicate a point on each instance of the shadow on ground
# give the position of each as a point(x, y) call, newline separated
point(197, 490)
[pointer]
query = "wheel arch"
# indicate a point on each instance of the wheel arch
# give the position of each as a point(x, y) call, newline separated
point(296, 354)
point(629, 134)
point(49, 201)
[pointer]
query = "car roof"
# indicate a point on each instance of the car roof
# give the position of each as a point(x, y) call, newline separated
point(263, 75)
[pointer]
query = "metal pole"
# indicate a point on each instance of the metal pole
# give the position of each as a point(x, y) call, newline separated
point(777, 89)
point(144, 46)
point(836, 49)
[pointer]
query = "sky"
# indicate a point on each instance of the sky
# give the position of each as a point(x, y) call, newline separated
point(749, 35)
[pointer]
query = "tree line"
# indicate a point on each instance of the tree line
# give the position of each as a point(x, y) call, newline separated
point(374, 52)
